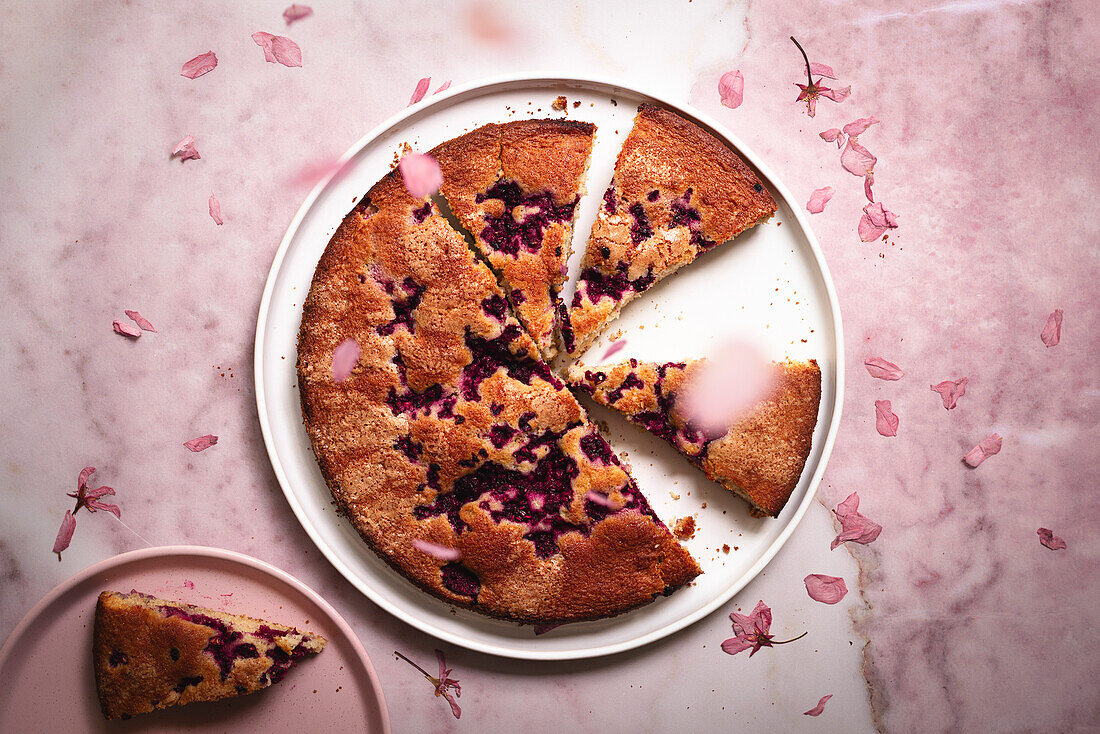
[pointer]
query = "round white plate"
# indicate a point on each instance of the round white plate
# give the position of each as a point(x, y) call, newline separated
point(769, 286)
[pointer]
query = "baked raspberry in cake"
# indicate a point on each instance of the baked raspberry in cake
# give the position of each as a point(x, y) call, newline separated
point(515, 187)
point(151, 653)
point(452, 448)
point(676, 193)
point(758, 454)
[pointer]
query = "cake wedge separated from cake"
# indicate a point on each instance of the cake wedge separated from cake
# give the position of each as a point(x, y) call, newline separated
point(676, 193)
point(451, 447)
point(152, 653)
point(758, 453)
point(515, 187)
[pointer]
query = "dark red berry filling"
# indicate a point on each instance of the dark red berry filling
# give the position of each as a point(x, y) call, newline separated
point(506, 235)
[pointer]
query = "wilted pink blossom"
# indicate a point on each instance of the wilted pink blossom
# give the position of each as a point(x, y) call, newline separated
point(443, 684)
point(731, 89)
point(950, 391)
point(855, 527)
point(1050, 540)
point(88, 498)
point(875, 221)
point(751, 632)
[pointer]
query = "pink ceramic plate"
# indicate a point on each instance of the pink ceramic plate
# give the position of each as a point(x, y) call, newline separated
point(46, 681)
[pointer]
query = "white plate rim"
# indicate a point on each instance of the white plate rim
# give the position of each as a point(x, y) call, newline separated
point(202, 551)
point(549, 78)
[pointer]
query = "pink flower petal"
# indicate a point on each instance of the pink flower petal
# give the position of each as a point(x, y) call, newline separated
point(950, 391)
point(215, 209)
point(731, 89)
point(82, 478)
point(344, 359)
point(126, 330)
point(1050, 540)
point(421, 174)
point(1052, 330)
point(830, 135)
point(886, 421)
point(822, 70)
point(734, 645)
point(875, 221)
point(443, 87)
point(881, 369)
point(825, 589)
point(94, 505)
point(141, 321)
point(201, 443)
point(185, 149)
point(615, 348)
point(435, 550)
point(278, 49)
point(421, 90)
point(988, 447)
point(856, 159)
point(818, 199)
point(201, 64)
point(868, 182)
point(855, 528)
point(837, 95)
point(96, 493)
point(297, 12)
point(819, 708)
point(858, 127)
point(64, 533)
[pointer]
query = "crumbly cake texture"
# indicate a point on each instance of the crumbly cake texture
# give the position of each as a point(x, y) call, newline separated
point(451, 431)
point(515, 187)
point(676, 193)
point(152, 653)
point(762, 453)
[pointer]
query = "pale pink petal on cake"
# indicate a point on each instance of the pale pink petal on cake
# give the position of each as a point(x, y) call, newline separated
point(819, 708)
point(201, 443)
point(855, 528)
point(141, 321)
point(735, 377)
point(185, 149)
point(64, 533)
point(126, 330)
point(1050, 540)
point(830, 135)
point(443, 87)
point(868, 182)
point(837, 95)
point(950, 391)
point(344, 359)
point(731, 89)
point(881, 369)
point(615, 348)
point(598, 498)
point(988, 447)
point(886, 421)
point(421, 90)
point(296, 12)
point(818, 199)
point(858, 127)
point(856, 159)
point(822, 70)
point(1052, 330)
point(215, 209)
point(201, 64)
point(825, 589)
point(435, 550)
point(421, 174)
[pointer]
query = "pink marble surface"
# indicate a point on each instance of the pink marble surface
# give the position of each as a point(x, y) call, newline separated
point(986, 152)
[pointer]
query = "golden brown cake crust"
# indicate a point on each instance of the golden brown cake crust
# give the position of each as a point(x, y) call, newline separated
point(448, 410)
point(543, 158)
point(762, 454)
point(677, 192)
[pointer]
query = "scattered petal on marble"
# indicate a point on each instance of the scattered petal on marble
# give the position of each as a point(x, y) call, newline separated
point(879, 368)
point(435, 550)
point(297, 12)
point(421, 90)
point(830, 135)
point(875, 221)
point(421, 174)
point(1050, 540)
point(64, 533)
point(950, 391)
point(868, 182)
point(837, 95)
point(818, 199)
point(185, 149)
point(443, 87)
point(825, 589)
point(856, 159)
point(854, 527)
point(344, 359)
point(810, 91)
point(140, 320)
point(443, 684)
point(215, 209)
point(731, 89)
point(126, 330)
point(822, 70)
point(988, 447)
point(858, 127)
point(278, 49)
point(91, 500)
point(819, 708)
point(201, 64)
point(1052, 330)
point(312, 173)
point(886, 421)
point(88, 498)
point(616, 347)
point(201, 443)
point(750, 631)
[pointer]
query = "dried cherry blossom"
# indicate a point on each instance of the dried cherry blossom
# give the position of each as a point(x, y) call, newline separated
point(1052, 330)
point(185, 149)
point(215, 209)
point(1050, 540)
point(988, 447)
point(443, 87)
point(421, 90)
point(858, 127)
point(818, 199)
point(875, 221)
point(881, 369)
point(731, 89)
point(868, 182)
point(751, 632)
point(856, 159)
point(825, 589)
point(950, 391)
point(822, 70)
point(344, 359)
point(140, 320)
point(87, 498)
point(201, 443)
point(854, 527)
point(421, 174)
point(125, 329)
point(886, 420)
point(443, 684)
point(297, 12)
point(278, 49)
point(833, 135)
point(819, 708)
point(811, 91)
point(201, 64)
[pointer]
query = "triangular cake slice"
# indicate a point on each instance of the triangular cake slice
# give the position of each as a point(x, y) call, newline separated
point(676, 193)
point(453, 449)
point(759, 455)
point(515, 187)
point(154, 653)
